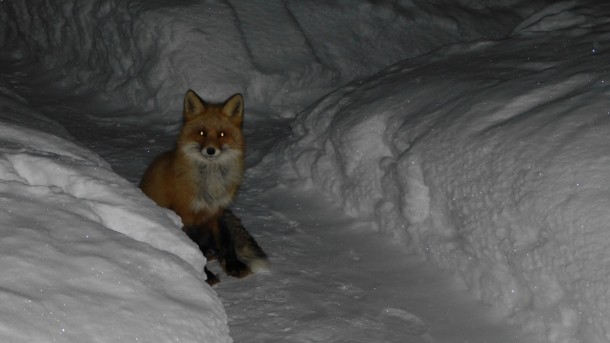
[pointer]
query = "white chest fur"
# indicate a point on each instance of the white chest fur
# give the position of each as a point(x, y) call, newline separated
point(216, 185)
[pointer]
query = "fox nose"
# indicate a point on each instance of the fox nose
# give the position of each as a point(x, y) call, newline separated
point(211, 151)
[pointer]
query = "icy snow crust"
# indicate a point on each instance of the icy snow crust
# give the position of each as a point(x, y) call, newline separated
point(491, 159)
point(487, 157)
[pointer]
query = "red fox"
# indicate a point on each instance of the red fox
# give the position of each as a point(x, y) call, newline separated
point(199, 178)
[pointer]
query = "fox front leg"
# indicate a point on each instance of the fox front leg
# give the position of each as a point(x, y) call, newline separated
point(203, 238)
point(227, 256)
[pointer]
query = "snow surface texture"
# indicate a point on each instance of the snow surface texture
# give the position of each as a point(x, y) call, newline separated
point(486, 157)
point(280, 53)
point(85, 256)
point(492, 159)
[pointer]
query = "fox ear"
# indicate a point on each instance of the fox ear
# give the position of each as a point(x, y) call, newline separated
point(234, 108)
point(193, 105)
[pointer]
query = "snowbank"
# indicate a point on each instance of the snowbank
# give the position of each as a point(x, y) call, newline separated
point(281, 54)
point(490, 158)
point(86, 257)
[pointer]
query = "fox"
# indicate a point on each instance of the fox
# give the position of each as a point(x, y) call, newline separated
point(199, 178)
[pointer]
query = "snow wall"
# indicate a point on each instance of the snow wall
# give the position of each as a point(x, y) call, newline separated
point(281, 54)
point(490, 158)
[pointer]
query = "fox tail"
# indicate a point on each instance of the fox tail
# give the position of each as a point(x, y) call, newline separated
point(247, 249)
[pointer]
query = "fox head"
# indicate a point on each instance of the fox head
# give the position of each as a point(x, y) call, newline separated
point(212, 133)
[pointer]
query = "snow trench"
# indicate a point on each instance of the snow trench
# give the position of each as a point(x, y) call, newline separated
point(489, 158)
point(95, 272)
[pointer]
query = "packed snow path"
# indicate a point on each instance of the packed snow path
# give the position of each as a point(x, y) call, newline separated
point(333, 280)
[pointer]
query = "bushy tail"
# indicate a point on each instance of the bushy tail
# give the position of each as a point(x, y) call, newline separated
point(248, 251)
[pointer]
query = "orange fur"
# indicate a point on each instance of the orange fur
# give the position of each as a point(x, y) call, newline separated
point(200, 177)
point(193, 185)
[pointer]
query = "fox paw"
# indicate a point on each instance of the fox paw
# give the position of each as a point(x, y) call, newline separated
point(237, 268)
point(211, 278)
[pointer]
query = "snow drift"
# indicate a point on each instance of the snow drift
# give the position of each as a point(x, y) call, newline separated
point(85, 255)
point(492, 159)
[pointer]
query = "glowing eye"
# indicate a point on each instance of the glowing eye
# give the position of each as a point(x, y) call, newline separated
point(201, 133)
point(221, 134)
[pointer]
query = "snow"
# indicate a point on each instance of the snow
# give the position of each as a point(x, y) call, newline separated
point(471, 135)
point(489, 158)
point(83, 251)
point(148, 54)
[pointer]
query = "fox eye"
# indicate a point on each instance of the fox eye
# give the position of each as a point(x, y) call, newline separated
point(221, 134)
point(201, 133)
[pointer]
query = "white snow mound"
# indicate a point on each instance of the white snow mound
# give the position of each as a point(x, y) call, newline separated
point(86, 257)
point(491, 159)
